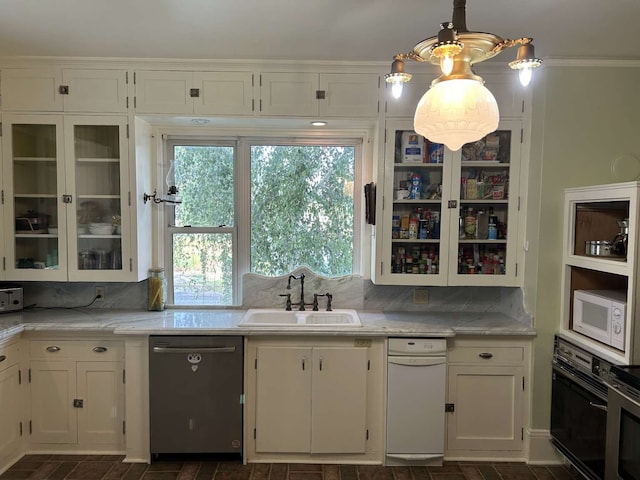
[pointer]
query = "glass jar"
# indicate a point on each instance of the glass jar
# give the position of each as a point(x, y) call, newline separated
point(157, 289)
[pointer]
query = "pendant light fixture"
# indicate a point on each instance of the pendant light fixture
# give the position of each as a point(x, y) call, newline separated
point(458, 108)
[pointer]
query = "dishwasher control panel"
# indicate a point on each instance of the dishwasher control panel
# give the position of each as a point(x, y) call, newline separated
point(417, 346)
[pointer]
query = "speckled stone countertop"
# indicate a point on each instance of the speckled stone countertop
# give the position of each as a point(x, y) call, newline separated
point(225, 322)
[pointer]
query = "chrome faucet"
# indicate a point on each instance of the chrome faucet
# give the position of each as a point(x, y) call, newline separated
point(301, 303)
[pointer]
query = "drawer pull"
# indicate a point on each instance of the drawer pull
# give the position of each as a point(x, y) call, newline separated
point(53, 349)
point(485, 355)
point(3, 358)
point(99, 349)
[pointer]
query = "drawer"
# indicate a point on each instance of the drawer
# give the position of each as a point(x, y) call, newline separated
point(9, 355)
point(81, 350)
point(486, 355)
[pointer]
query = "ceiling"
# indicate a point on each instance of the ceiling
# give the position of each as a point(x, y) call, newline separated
point(333, 30)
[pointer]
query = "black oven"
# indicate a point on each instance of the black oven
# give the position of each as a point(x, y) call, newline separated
point(623, 424)
point(579, 408)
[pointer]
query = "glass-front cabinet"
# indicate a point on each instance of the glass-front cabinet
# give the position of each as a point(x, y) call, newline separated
point(65, 181)
point(449, 218)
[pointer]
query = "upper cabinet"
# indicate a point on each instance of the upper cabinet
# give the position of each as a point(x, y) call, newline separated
point(319, 94)
point(64, 90)
point(608, 215)
point(448, 218)
point(68, 211)
point(199, 93)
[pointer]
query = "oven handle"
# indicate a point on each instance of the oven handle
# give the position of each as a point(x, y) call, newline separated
point(194, 349)
point(598, 406)
point(564, 371)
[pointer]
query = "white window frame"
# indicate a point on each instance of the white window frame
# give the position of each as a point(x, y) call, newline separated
point(360, 140)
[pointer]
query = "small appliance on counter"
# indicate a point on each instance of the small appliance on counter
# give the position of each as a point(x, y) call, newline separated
point(10, 299)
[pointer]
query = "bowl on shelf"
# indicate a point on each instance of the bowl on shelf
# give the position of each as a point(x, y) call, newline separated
point(83, 229)
point(100, 228)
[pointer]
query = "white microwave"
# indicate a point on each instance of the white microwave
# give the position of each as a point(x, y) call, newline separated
point(600, 314)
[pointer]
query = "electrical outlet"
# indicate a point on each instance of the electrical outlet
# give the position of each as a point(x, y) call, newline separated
point(99, 294)
point(421, 296)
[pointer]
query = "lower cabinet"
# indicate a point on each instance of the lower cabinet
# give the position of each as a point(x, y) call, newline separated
point(77, 395)
point(11, 425)
point(487, 404)
point(314, 398)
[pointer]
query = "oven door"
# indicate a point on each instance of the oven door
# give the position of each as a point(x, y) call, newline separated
point(623, 437)
point(579, 421)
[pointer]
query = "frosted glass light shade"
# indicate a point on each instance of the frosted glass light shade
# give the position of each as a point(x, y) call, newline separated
point(455, 112)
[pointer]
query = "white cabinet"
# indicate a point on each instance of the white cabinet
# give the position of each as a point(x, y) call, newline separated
point(307, 94)
point(595, 213)
point(486, 398)
point(70, 90)
point(68, 210)
point(199, 93)
point(77, 394)
point(448, 218)
point(11, 414)
point(313, 397)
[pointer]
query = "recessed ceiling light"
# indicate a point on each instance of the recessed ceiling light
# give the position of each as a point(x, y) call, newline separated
point(200, 121)
point(318, 123)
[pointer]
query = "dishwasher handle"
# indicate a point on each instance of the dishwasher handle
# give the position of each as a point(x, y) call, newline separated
point(194, 350)
point(417, 361)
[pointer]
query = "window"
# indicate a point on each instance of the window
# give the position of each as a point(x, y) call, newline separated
point(258, 205)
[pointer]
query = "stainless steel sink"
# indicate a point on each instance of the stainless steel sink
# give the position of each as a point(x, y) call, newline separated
point(268, 317)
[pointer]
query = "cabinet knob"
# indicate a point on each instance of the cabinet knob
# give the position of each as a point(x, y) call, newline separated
point(78, 403)
point(485, 355)
point(53, 349)
point(99, 349)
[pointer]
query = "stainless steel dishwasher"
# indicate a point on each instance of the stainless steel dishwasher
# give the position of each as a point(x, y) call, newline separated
point(195, 388)
point(416, 380)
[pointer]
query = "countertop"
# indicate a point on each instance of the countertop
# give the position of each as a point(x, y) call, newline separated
point(225, 322)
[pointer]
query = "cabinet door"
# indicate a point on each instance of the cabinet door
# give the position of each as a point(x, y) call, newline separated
point(101, 390)
point(31, 89)
point(289, 94)
point(339, 399)
point(413, 243)
point(349, 95)
point(100, 91)
point(488, 404)
point(163, 92)
point(53, 417)
point(98, 217)
point(10, 413)
point(35, 217)
point(487, 217)
point(224, 93)
point(283, 400)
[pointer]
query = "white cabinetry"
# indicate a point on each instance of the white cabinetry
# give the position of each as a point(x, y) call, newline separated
point(68, 213)
point(324, 94)
point(593, 213)
point(314, 397)
point(486, 400)
point(11, 414)
point(200, 93)
point(87, 410)
point(70, 90)
point(449, 218)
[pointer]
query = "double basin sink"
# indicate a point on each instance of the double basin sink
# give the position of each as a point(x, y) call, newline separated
point(267, 317)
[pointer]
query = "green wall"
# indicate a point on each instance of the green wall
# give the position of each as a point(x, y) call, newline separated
point(583, 119)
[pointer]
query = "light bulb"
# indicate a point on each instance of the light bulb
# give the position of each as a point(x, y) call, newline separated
point(396, 89)
point(446, 64)
point(525, 76)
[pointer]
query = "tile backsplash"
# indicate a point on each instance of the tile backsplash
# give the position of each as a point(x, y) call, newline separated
point(349, 291)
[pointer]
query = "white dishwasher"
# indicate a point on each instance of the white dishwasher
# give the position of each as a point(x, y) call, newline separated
point(416, 381)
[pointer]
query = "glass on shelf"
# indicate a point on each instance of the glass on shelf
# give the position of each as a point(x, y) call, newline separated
point(482, 259)
point(494, 148)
